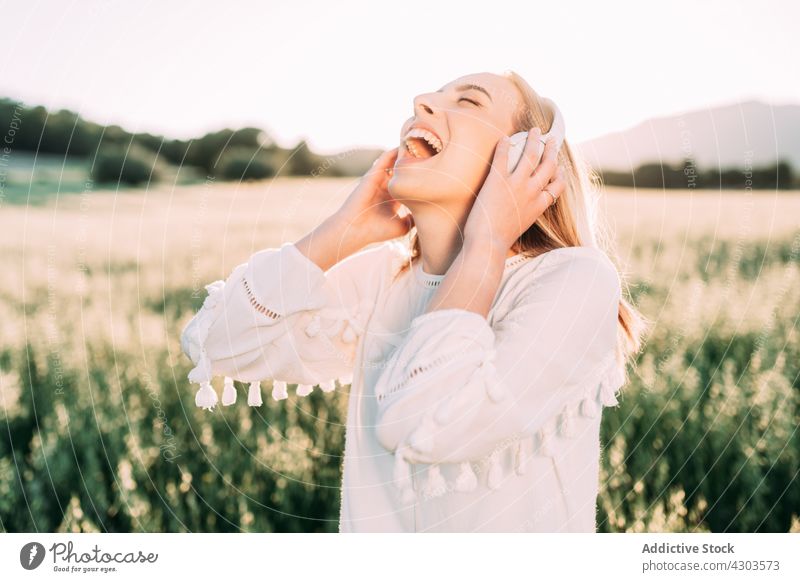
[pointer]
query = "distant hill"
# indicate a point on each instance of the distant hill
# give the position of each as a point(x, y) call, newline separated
point(718, 137)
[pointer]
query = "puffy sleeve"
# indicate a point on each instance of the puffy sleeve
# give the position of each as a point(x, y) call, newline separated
point(280, 317)
point(457, 388)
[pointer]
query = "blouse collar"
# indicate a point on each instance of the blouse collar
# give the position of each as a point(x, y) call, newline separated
point(432, 281)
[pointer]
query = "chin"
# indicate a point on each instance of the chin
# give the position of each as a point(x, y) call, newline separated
point(417, 182)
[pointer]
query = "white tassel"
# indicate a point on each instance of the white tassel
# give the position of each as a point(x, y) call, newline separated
point(206, 396)
point(589, 407)
point(402, 475)
point(546, 441)
point(228, 392)
point(495, 476)
point(466, 480)
point(349, 335)
point(279, 390)
point(521, 457)
point(327, 386)
point(607, 395)
point(254, 394)
point(304, 389)
point(436, 485)
point(312, 329)
point(568, 422)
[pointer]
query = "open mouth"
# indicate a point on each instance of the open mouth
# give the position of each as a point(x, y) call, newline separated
point(422, 144)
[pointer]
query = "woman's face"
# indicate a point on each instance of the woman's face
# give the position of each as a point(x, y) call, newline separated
point(446, 148)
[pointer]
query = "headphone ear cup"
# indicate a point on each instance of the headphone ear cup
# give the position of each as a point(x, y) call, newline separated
point(515, 148)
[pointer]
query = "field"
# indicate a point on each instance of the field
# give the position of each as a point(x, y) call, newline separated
point(100, 431)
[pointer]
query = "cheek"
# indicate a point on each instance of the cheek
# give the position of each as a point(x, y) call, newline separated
point(470, 160)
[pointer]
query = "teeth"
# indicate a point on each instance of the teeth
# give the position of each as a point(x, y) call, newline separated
point(429, 137)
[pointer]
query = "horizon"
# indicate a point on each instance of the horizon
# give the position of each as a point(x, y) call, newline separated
point(370, 147)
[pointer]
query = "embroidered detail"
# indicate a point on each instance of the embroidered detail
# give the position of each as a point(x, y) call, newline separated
point(255, 303)
point(206, 396)
point(430, 283)
point(595, 396)
point(416, 372)
point(514, 261)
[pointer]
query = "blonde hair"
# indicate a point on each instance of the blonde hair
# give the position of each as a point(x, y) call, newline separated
point(570, 221)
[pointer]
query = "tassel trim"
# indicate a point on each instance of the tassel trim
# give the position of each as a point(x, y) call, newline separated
point(228, 392)
point(436, 486)
point(206, 397)
point(279, 391)
point(542, 443)
point(254, 394)
point(304, 389)
point(466, 480)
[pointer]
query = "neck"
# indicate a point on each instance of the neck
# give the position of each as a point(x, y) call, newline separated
point(440, 231)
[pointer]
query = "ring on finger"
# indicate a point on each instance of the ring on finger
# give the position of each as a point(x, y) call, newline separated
point(553, 196)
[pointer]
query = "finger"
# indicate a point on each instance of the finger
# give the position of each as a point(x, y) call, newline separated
point(500, 158)
point(531, 154)
point(550, 194)
point(383, 162)
point(548, 167)
point(558, 175)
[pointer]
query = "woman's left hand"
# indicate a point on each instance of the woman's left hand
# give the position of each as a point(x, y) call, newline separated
point(509, 203)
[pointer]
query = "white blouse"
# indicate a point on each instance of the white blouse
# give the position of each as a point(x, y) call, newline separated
point(455, 422)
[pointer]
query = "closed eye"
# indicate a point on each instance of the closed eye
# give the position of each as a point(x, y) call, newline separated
point(470, 100)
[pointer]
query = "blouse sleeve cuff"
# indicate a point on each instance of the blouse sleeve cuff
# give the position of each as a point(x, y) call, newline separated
point(281, 281)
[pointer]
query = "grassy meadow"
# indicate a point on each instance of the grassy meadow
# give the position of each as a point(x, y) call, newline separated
point(100, 431)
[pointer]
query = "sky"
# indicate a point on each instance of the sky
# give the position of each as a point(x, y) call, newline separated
point(344, 74)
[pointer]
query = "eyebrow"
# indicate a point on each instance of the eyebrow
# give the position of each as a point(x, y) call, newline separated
point(469, 86)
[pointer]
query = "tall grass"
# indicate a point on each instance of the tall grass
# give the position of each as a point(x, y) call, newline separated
point(99, 431)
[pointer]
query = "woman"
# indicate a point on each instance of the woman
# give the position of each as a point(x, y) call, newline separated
point(479, 355)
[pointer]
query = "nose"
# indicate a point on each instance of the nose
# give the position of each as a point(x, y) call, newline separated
point(423, 103)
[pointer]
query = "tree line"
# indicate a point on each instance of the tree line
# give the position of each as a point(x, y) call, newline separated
point(117, 155)
point(686, 175)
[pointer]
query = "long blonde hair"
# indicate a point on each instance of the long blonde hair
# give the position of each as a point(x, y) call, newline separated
point(561, 224)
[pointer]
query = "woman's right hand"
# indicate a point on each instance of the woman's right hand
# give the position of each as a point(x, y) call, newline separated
point(370, 210)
